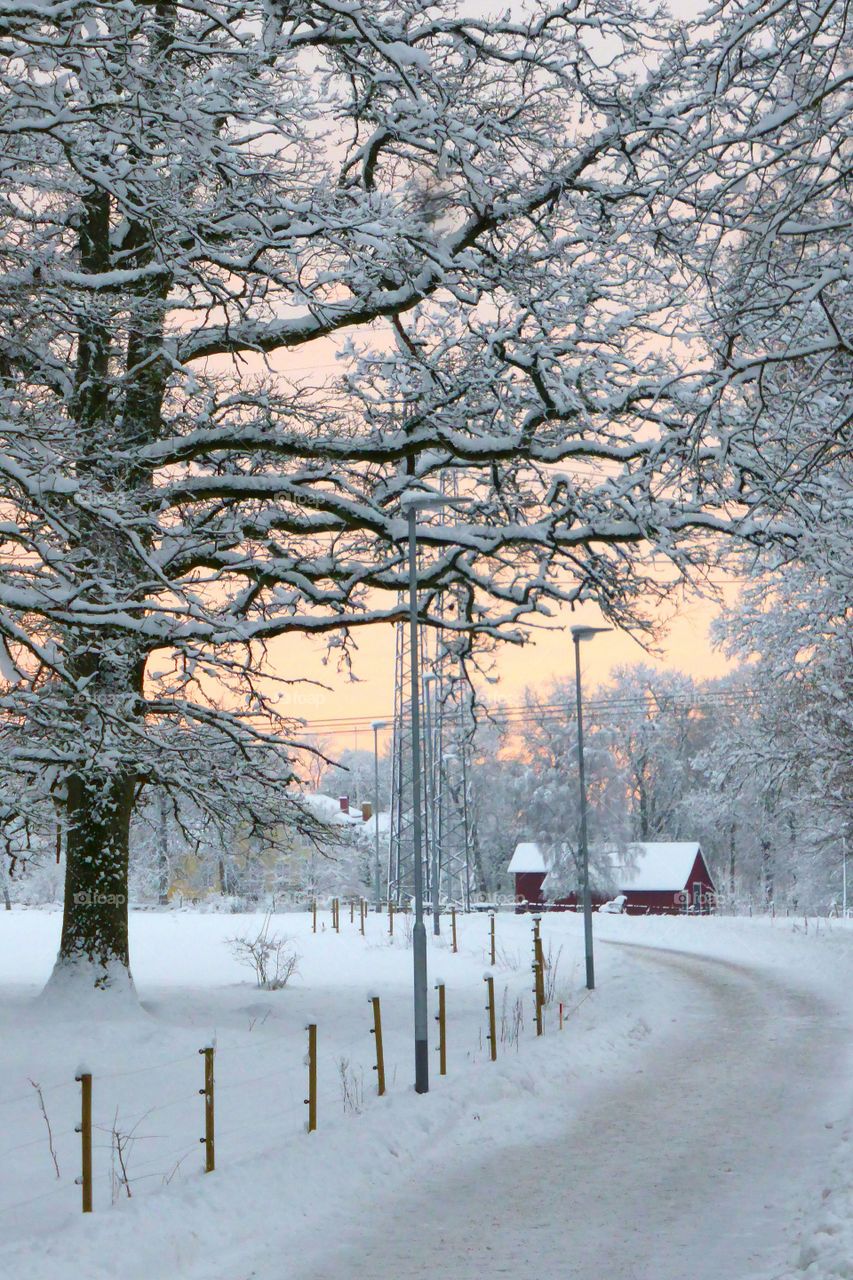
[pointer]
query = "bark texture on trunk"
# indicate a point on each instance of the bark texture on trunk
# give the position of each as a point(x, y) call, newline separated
point(94, 925)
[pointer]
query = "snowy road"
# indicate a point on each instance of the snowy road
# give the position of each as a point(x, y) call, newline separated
point(689, 1167)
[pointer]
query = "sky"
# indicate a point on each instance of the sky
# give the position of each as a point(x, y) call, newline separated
point(685, 646)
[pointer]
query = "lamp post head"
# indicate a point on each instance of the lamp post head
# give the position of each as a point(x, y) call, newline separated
point(586, 633)
point(423, 500)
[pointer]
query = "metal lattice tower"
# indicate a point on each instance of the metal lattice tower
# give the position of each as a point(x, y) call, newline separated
point(401, 846)
point(452, 729)
point(446, 744)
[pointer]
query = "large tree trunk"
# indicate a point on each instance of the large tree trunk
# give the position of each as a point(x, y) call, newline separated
point(94, 925)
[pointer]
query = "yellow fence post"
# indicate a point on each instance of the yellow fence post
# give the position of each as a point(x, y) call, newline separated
point(492, 938)
point(311, 1100)
point(84, 1128)
point(537, 991)
point(540, 977)
point(207, 1094)
point(376, 1030)
point(492, 1037)
point(453, 945)
point(441, 1019)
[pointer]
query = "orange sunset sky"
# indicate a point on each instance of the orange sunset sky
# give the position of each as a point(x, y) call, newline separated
point(685, 646)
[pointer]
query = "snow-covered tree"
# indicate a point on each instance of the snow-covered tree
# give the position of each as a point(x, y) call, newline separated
point(795, 736)
point(656, 727)
point(191, 191)
point(760, 197)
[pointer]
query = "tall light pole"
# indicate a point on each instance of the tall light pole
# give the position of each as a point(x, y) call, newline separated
point(432, 767)
point(376, 726)
point(412, 503)
point(578, 634)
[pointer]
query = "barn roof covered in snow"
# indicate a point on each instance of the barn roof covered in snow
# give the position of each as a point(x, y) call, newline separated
point(528, 856)
point(664, 866)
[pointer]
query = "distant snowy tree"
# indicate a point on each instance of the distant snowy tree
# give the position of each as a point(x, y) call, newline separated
point(543, 783)
point(656, 729)
point(796, 734)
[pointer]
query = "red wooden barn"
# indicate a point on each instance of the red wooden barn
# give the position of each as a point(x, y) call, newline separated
point(658, 878)
point(666, 878)
point(529, 865)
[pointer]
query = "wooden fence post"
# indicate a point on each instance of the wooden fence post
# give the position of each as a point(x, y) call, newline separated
point(441, 1019)
point(561, 1015)
point(390, 918)
point(314, 915)
point(311, 1100)
point(453, 946)
point(537, 992)
point(84, 1128)
point(539, 970)
point(492, 938)
point(352, 910)
point(376, 1030)
point(207, 1094)
point(492, 1036)
point(362, 908)
point(336, 914)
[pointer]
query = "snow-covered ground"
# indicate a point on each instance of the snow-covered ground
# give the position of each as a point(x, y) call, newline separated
point(691, 1120)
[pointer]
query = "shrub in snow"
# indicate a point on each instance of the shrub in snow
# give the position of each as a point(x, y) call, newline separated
point(271, 956)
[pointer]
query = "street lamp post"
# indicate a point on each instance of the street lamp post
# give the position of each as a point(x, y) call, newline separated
point(432, 767)
point(578, 634)
point(376, 726)
point(412, 503)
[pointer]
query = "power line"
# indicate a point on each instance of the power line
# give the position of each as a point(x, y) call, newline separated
point(521, 711)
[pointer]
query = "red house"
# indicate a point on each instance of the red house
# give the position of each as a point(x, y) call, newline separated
point(530, 867)
point(657, 878)
point(666, 878)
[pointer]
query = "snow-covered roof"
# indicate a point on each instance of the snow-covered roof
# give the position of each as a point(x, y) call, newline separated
point(528, 856)
point(657, 865)
point(328, 809)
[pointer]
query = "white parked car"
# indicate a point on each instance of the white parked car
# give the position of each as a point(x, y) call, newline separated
point(616, 906)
